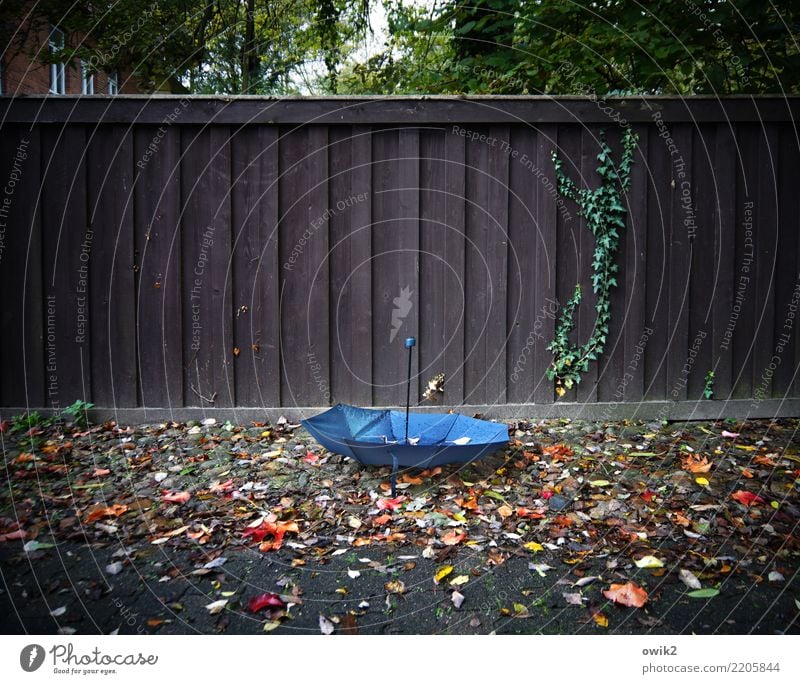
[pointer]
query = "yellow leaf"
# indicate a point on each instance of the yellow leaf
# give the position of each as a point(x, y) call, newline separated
point(560, 391)
point(533, 547)
point(269, 626)
point(649, 562)
point(458, 581)
point(505, 511)
point(442, 572)
point(520, 610)
point(701, 481)
point(600, 619)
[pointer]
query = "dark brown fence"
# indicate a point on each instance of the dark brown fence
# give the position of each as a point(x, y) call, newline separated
point(168, 253)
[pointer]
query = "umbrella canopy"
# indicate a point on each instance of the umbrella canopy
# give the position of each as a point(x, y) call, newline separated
point(378, 436)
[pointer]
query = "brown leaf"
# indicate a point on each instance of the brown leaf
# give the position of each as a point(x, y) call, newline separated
point(629, 594)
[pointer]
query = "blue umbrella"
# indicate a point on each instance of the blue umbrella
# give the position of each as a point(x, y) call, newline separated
point(410, 440)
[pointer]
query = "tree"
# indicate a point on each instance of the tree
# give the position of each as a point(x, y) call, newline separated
point(605, 47)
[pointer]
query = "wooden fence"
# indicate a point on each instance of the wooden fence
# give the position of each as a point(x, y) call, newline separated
point(163, 253)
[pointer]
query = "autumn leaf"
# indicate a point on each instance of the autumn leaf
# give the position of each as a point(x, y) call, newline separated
point(453, 537)
point(695, 464)
point(629, 594)
point(409, 479)
point(257, 603)
point(747, 498)
point(533, 547)
point(176, 497)
point(395, 587)
point(325, 625)
point(389, 504)
point(216, 606)
point(505, 511)
point(442, 572)
point(600, 619)
point(114, 510)
point(649, 562)
point(276, 530)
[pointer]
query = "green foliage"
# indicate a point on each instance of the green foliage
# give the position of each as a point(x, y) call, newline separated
point(605, 212)
point(708, 390)
point(610, 48)
point(78, 412)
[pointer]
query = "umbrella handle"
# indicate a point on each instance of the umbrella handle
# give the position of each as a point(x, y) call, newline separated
point(410, 342)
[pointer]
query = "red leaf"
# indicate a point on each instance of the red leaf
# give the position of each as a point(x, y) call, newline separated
point(257, 603)
point(628, 594)
point(452, 538)
point(4, 426)
point(310, 457)
point(390, 504)
point(176, 497)
point(547, 495)
point(219, 487)
point(746, 498)
point(647, 495)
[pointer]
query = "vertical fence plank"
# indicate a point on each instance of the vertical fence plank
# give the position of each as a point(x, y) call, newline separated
point(206, 243)
point(612, 365)
point(766, 237)
point(304, 226)
point(255, 265)
point(725, 225)
point(525, 311)
point(704, 276)
point(435, 278)
point(546, 260)
point(455, 256)
point(350, 264)
point(746, 225)
point(158, 286)
point(395, 261)
point(113, 330)
point(680, 255)
point(350, 161)
point(23, 315)
point(66, 276)
point(787, 272)
point(586, 391)
point(659, 217)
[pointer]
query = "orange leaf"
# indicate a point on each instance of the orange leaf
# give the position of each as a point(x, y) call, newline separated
point(532, 513)
point(453, 537)
point(114, 510)
point(408, 479)
point(696, 464)
point(383, 519)
point(176, 497)
point(559, 452)
point(100, 472)
point(505, 511)
point(628, 594)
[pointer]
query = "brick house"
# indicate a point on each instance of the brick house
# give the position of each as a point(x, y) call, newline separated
point(25, 70)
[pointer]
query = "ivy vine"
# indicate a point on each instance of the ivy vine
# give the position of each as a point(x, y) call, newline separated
point(605, 214)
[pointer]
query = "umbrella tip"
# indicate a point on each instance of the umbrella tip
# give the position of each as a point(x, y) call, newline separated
point(410, 342)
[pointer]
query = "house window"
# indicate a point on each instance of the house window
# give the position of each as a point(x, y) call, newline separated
point(113, 87)
point(87, 80)
point(58, 71)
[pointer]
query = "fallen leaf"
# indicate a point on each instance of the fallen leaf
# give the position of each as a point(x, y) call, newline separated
point(325, 625)
point(459, 581)
point(649, 562)
point(521, 610)
point(457, 598)
point(600, 483)
point(689, 579)
point(573, 599)
point(216, 606)
point(505, 511)
point(353, 574)
point(708, 592)
point(258, 603)
point(600, 619)
point(533, 547)
point(747, 498)
point(730, 435)
point(176, 497)
point(453, 537)
point(629, 594)
point(58, 612)
point(701, 481)
point(696, 464)
point(114, 510)
point(390, 504)
point(395, 587)
point(442, 572)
